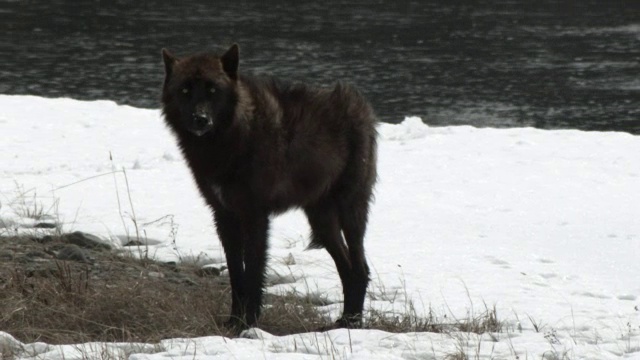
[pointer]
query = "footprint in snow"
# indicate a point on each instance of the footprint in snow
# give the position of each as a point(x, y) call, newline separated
point(591, 295)
point(546, 261)
point(495, 261)
point(548, 275)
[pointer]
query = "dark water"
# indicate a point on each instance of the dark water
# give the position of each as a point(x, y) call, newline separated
point(548, 64)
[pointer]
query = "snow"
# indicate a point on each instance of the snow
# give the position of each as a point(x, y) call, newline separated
point(543, 225)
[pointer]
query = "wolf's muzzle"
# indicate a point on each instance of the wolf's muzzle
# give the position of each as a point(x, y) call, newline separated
point(201, 124)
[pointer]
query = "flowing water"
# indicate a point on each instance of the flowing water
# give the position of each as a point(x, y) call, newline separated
point(547, 64)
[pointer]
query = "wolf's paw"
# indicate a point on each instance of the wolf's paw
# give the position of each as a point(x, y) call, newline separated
point(344, 323)
point(235, 325)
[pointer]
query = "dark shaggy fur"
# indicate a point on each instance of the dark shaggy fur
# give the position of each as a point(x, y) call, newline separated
point(258, 147)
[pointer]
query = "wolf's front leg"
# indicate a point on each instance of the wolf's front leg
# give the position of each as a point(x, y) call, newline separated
point(231, 237)
point(255, 250)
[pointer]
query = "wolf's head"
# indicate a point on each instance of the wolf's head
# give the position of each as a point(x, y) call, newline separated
point(199, 92)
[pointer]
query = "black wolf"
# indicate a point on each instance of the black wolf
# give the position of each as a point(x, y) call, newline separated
point(257, 147)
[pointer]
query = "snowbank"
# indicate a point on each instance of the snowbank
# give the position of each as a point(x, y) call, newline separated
point(543, 224)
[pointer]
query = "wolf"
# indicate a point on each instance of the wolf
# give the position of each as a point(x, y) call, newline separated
point(258, 146)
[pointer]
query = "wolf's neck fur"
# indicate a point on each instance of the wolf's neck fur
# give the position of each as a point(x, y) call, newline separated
point(226, 145)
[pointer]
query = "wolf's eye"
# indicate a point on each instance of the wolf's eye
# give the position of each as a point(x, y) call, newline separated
point(212, 90)
point(185, 90)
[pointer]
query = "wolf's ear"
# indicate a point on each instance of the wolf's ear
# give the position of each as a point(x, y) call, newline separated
point(169, 62)
point(230, 61)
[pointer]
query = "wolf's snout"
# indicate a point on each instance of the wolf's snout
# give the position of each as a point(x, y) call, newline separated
point(200, 123)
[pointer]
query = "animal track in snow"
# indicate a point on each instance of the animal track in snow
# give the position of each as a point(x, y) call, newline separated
point(592, 295)
point(540, 283)
point(495, 261)
point(548, 275)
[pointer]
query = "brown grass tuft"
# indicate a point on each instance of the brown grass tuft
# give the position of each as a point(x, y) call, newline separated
point(125, 300)
point(122, 298)
point(110, 297)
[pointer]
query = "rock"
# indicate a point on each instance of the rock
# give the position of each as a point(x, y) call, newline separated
point(35, 254)
point(42, 271)
point(134, 243)
point(289, 260)
point(43, 240)
point(208, 271)
point(45, 225)
point(155, 274)
point(172, 265)
point(85, 240)
point(73, 253)
point(178, 278)
point(190, 282)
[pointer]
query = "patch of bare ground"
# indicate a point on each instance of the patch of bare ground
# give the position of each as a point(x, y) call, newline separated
point(68, 289)
point(56, 291)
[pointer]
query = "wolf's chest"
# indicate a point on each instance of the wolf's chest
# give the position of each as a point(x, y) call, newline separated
point(217, 193)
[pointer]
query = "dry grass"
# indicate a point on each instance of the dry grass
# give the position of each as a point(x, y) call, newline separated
point(408, 322)
point(125, 299)
point(71, 305)
point(486, 322)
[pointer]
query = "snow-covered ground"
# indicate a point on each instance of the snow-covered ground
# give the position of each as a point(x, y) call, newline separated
point(545, 225)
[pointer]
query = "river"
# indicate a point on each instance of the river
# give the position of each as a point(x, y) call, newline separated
point(516, 63)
